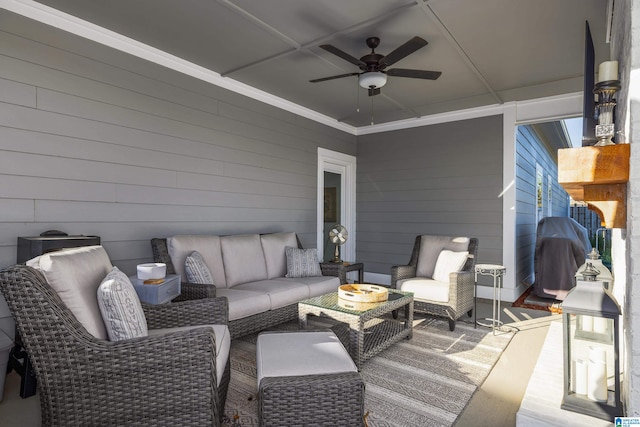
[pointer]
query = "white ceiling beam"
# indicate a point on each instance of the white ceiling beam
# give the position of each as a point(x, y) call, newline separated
point(424, 5)
point(314, 43)
point(229, 4)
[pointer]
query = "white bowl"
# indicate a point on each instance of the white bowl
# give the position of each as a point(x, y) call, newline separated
point(152, 270)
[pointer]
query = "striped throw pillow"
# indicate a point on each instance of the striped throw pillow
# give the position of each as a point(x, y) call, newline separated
point(302, 262)
point(120, 307)
point(196, 269)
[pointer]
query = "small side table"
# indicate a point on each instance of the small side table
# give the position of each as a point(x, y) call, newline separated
point(340, 269)
point(160, 293)
point(497, 272)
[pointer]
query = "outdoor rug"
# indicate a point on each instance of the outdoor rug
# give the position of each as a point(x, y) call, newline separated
point(425, 381)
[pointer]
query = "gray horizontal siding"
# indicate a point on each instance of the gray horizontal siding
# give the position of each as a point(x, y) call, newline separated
point(529, 152)
point(441, 179)
point(96, 142)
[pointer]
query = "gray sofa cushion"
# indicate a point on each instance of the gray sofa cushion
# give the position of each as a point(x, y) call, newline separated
point(430, 247)
point(318, 285)
point(273, 246)
point(243, 259)
point(281, 292)
point(244, 303)
point(181, 246)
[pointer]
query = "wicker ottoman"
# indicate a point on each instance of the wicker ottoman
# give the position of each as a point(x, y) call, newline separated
point(307, 378)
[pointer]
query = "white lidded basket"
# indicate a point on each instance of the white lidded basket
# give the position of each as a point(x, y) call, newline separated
point(152, 271)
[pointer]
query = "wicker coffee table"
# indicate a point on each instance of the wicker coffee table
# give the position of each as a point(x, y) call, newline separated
point(370, 331)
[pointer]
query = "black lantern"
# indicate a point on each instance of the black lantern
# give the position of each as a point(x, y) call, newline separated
point(591, 317)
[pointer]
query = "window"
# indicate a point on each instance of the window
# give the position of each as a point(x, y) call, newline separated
point(539, 192)
point(549, 196)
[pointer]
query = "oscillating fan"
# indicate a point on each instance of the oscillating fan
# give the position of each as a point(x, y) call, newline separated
point(338, 236)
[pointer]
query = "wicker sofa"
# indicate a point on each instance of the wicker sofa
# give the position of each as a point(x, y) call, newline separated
point(249, 270)
point(85, 378)
point(452, 294)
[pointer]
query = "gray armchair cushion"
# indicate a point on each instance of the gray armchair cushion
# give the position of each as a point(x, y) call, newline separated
point(426, 289)
point(75, 274)
point(223, 343)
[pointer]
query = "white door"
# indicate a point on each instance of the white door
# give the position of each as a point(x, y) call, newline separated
point(336, 174)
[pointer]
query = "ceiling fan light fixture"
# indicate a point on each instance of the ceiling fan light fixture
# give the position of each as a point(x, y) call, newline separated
point(372, 79)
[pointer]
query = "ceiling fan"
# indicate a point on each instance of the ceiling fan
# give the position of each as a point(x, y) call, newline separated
point(374, 75)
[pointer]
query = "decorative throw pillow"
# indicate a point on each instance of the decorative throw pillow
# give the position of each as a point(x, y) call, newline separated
point(302, 262)
point(120, 307)
point(196, 269)
point(448, 262)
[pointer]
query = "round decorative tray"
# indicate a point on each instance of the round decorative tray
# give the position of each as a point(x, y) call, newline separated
point(363, 293)
point(356, 306)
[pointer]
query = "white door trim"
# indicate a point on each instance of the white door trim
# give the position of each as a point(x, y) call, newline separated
point(345, 165)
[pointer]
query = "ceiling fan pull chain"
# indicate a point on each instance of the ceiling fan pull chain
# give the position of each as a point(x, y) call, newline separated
point(372, 110)
point(357, 97)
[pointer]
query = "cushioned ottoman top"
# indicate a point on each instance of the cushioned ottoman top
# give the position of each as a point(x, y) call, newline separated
point(282, 354)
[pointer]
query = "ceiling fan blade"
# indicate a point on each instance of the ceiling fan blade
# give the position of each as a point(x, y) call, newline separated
point(404, 50)
point(323, 79)
point(344, 55)
point(415, 74)
point(374, 91)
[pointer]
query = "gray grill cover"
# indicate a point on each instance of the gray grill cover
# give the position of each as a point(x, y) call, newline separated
point(562, 245)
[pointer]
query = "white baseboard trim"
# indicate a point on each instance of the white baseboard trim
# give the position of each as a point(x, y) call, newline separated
point(506, 294)
point(377, 278)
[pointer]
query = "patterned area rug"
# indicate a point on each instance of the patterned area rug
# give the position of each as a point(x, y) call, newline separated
point(425, 381)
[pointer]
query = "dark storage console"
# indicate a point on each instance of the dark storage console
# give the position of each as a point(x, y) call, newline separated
point(28, 248)
point(31, 247)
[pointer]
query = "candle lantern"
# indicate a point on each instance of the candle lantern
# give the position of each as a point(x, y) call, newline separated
point(591, 338)
point(604, 274)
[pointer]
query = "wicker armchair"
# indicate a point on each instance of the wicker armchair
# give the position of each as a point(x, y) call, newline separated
point(162, 380)
point(461, 283)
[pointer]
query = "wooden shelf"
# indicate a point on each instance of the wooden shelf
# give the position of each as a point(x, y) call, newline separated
point(598, 176)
